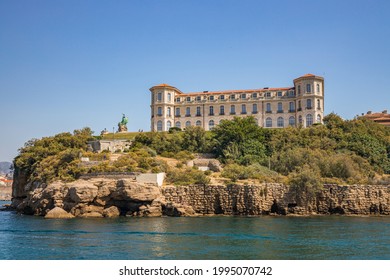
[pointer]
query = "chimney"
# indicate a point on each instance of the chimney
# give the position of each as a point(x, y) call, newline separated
point(384, 111)
point(369, 112)
point(205, 91)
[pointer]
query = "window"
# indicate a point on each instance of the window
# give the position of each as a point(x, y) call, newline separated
point(178, 124)
point(188, 112)
point(232, 97)
point(308, 88)
point(177, 113)
point(169, 97)
point(308, 104)
point(243, 96)
point(159, 96)
point(188, 99)
point(318, 104)
point(222, 110)
point(318, 118)
point(309, 120)
point(291, 107)
point(188, 123)
point(300, 119)
point(254, 95)
point(169, 111)
point(268, 122)
point(291, 93)
point(178, 99)
point(291, 121)
point(267, 94)
point(280, 122)
point(232, 109)
point(280, 107)
point(318, 88)
point(197, 111)
point(198, 98)
point(211, 97)
point(222, 97)
point(159, 126)
point(299, 90)
point(268, 108)
point(254, 108)
point(211, 124)
point(299, 105)
point(211, 110)
point(198, 123)
point(280, 94)
point(169, 124)
point(159, 111)
point(243, 109)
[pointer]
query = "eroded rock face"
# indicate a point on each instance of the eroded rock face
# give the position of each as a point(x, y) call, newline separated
point(99, 197)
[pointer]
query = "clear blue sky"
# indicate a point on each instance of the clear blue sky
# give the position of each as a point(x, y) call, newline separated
point(69, 64)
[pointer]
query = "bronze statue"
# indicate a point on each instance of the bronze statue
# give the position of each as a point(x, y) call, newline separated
point(122, 125)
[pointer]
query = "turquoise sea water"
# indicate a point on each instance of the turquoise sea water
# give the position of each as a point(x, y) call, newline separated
point(282, 238)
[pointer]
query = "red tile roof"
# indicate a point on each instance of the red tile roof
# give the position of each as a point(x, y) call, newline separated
point(236, 91)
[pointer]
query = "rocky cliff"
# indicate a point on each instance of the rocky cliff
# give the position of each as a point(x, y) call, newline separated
point(99, 197)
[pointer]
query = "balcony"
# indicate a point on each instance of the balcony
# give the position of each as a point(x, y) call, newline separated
point(188, 115)
point(280, 111)
point(309, 108)
point(211, 114)
point(221, 113)
point(232, 113)
point(254, 112)
point(159, 115)
point(177, 115)
point(291, 111)
point(243, 113)
point(268, 112)
point(198, 115)
point(299, 109)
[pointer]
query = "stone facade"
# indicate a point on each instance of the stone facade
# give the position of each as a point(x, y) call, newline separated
point(108, 145)
point(301, 104)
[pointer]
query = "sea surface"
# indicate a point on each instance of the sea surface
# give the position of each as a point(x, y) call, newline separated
point(190, 238)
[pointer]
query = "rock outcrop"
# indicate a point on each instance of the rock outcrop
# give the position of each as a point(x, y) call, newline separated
point(102, 197)
point(58, 213)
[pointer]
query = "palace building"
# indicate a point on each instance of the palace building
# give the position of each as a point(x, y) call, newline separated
point(300, 104)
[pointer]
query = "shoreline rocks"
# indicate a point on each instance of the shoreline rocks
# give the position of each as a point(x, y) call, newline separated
point(102, 197)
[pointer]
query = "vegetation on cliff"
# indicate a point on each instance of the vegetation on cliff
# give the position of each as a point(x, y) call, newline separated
point(353, 151)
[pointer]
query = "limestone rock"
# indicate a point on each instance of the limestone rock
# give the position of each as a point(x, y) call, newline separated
point(133, 191)
point(111, 212)
point(92, 215)
point(58, 213)
point(83, 193)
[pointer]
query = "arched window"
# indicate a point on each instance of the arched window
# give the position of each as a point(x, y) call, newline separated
point(222, 110)
point(198, 123)
point(280, 122)
point(318, 118)
point(243, 109)
point(268, 107)
point(188, 123)
point(299, 105)
point(308, 104)
point(169, 111)
point(291, 121)
point(211, 110)
point(291, 106)
point(211, 124)
point(188, 112)
point(159, 126)
point(198, 111)
point(177, 113)
point(280, 107)
point(254, 108)
point(308, 88)
point(268, 122)
point(159, 111)
point(169, 124)
point(159, 96)
point(232, 109)
point(309, 120)
point(169, 97)
point(318, 104)
point(178, 124)
point(318, 88)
